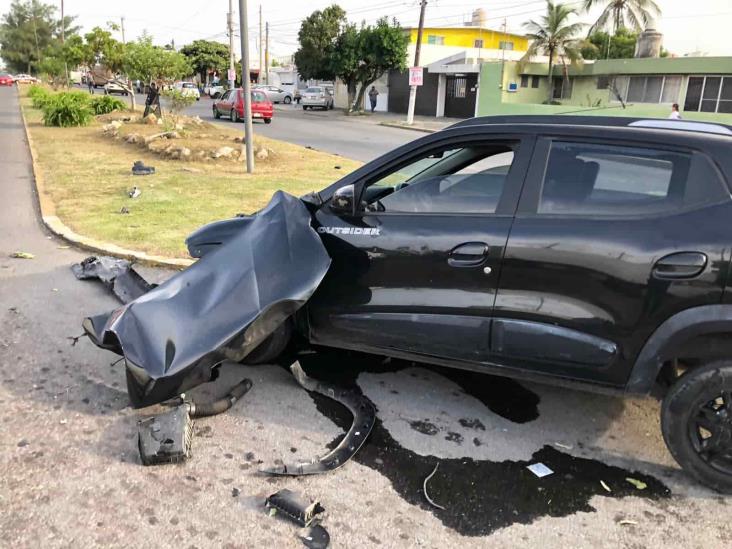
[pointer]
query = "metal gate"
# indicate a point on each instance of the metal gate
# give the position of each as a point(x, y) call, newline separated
point(460, 95)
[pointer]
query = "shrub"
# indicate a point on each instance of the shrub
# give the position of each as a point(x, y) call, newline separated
point(104, 104)
point(179, 100)
point(39, 95)
point(67, 109)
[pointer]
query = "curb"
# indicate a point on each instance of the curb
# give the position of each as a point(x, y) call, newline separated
point(402, 126)
point(52, 222)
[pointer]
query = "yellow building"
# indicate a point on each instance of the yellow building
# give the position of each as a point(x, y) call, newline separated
point(470, 37)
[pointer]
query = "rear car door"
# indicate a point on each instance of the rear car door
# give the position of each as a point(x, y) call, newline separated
point(415, 271)
point(223, 105)
point(611, 238)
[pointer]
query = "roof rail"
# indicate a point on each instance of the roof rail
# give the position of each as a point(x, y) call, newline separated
point(685, 125)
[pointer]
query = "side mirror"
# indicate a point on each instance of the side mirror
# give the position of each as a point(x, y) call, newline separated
point(342, 201)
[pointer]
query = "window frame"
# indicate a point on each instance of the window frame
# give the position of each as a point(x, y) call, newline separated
point(532, 190)
point(723, 78)
point(478, 43)
point(535, 81)
point(514, 180)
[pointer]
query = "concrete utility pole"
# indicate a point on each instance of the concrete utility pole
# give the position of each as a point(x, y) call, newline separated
point(230, 29)
point(266, 53)
point(261, 46)
point(418, 47)
point(248, 133)
point(122, 19)
point(63, 39)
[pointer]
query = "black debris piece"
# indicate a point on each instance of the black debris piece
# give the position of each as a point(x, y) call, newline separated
point(165, 438)
point(294, 506)
point(138, 168)
point(206, 409)
point(316, 537)
point(364, 417)
point(220, 308)
point(117, 274)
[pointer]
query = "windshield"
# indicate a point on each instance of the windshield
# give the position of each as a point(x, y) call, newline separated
point(314, 90)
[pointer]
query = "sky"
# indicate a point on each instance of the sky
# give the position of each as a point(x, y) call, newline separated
point(702, 25)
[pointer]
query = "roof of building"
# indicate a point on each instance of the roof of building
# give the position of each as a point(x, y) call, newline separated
point(645, 65)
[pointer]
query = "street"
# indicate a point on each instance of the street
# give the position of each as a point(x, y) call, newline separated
point(68, 450)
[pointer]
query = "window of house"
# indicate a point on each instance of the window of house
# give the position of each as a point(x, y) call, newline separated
point(436, 40)
point(562, 87)
point(653, 89)
point(603, 82)
point(505, 45)
point(524, 80)
point(535, 81)
point(709, 94)
point(583, 178)
point(478, 44)
point(469, 179)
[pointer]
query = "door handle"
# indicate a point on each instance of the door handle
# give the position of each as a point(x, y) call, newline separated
point(680, 265)
point(470, 254)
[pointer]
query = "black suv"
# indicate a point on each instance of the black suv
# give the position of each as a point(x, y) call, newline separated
point(586, 251)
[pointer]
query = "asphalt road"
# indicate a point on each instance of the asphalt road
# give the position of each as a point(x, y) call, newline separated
point(71, 474)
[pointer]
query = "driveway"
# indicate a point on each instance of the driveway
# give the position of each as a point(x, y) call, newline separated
point(71, 475)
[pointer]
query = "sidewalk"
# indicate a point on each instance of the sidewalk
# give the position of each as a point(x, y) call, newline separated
point(426, 124)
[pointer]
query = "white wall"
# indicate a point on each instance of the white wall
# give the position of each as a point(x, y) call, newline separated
point(382, 101)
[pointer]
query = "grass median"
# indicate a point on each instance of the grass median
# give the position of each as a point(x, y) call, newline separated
point(87, 176)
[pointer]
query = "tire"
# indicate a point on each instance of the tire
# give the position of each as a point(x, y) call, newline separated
point(234, 116)
point(287, 100)
point(272, 347)
point(216, 113)
point(267, 120)
point(702, 395)
point(135, 391)
point(304, 107)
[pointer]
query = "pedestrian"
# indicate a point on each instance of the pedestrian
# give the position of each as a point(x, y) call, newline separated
point(373, 95)
point(675, 114)
point(90, 82)
point(152, 101)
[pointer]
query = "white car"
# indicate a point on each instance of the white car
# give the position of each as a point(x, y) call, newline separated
point(189, 89)
point(215, 90)
point(317, 96)
point(113, 87)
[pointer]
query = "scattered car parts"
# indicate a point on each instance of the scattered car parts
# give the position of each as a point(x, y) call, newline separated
point(294, 506)
point(139, 168)
point(222, 307)
point(424, 489)
point(167, 438)
point(316, 537)
point(364, 418)
point(117, 274)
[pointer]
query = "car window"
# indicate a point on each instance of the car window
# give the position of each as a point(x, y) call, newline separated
point(226, 96)
point(582, 178)
point(258, 96)
point(313, 90)
point(456, 180)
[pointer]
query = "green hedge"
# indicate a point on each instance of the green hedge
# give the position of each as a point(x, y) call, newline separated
point(39, 95)
point(104, 104)
point(67, 109)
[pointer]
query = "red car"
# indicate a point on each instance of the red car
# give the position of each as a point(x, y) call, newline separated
point(231, 104)
point(6, 79)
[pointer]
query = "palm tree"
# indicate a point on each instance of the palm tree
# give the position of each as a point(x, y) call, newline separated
point(632, 14)
point(554, 36)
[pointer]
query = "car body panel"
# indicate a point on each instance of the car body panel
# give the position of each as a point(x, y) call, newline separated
point(262, 107)
point(275, 94)
point(321, 98)
point(6, 79)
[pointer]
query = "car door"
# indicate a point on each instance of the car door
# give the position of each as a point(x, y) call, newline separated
point(415, 271)
point(611, 237)
point(223, 105)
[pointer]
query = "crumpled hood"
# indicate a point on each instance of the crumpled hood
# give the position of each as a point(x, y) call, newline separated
point(222, 306)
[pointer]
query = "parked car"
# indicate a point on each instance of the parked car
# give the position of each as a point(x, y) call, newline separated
point(189, 89)
point(25, 79)
point(231, 104)
point(6, 79)
point(317, 96)
point(590, 252)
point(113, 87)
point(275, 94)
point(214, 90)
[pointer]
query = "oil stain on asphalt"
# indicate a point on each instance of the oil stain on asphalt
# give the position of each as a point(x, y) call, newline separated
point(479, 496)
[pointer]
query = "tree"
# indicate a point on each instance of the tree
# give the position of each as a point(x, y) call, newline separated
point(383, 47)
point(59, 57)
point(27, 30)
point(554, 36)
point(618, 14)
point(600, 45)
point(205, 56)
point(345, 59)
point(317, 37)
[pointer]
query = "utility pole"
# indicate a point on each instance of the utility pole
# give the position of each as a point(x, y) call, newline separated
point(230, 28)
point(63, 39)
point(418, 47)
point(248, 133)
point(261, 46)
point(266, 53)
point(122, 19)
point(503, 53)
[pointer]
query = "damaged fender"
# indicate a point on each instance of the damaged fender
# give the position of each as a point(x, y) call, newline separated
point(220, 308)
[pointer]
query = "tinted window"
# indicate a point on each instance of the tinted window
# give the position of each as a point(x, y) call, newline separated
point(462, 180)
point(313, 90)
point(613, 180)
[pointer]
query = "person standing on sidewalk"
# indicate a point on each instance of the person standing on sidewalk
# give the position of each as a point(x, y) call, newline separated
point(90, 82)
point(373, 95)
point(675, 114)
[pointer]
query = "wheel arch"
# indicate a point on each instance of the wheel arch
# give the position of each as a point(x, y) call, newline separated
point(703, 332)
